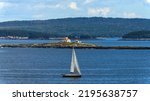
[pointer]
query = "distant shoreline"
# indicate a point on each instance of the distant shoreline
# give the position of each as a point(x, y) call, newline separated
point(97, 38)
point(136, 39)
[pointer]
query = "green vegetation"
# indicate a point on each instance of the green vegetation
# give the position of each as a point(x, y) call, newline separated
point(138, 35)
point(73, 27)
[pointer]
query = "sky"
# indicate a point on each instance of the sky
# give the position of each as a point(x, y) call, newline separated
point(53, 9)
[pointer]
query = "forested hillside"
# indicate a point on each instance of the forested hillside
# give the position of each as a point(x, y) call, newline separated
point(74, 27)
point(137, 35)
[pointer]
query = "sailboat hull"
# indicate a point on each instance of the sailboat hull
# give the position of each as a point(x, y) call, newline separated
point(71, 75)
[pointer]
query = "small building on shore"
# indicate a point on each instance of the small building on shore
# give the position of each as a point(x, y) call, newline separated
point(77, 41)
point(66, 39)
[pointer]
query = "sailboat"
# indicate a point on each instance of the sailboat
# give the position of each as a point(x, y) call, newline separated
point(74, 69)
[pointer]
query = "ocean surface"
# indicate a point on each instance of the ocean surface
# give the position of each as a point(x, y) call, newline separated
point(104, 42)
point(46, 65)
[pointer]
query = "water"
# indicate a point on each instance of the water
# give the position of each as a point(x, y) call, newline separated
point(5, 41)
point(45, 66)
point(103, 42)
point(118, 42)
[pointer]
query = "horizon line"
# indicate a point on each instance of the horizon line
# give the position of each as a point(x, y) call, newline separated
point(70, 18)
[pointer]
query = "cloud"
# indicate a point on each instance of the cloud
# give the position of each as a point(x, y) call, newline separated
point(148, 1)
point(73, 5)
point(131, 15)
point(88, 1)
point(4, 5)
point(44, 6)
point(99, 11)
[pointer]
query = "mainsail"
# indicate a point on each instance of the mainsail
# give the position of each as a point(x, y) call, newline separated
point(74, 64)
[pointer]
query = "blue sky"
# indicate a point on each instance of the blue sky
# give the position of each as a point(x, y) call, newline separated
point(52, 9)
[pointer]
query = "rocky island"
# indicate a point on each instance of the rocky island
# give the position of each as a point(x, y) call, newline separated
point(68, 45)
point(50, 45)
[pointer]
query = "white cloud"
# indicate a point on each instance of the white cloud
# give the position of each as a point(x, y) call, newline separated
point(148, 1)
point(58, 6)
point(88, 1)
point(45, 6)
point(4, 5)
point(99, 11)
point(130, 15)
point(73, 5)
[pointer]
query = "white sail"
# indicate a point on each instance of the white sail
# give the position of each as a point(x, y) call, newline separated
point(74, 63)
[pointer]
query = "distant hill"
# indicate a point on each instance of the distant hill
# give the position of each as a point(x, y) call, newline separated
point(138, 35)
point(74, 27)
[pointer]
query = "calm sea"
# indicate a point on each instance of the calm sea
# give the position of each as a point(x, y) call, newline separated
point(45, 66)
point(104, 42)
